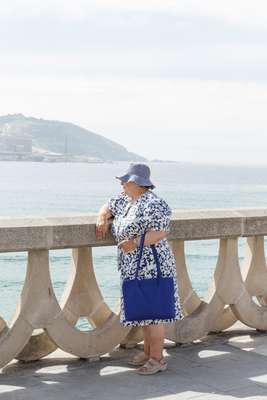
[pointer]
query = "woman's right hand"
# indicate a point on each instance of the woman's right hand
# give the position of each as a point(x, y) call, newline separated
point(102, 226)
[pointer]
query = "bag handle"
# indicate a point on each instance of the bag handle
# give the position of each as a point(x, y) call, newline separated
point(155, 254)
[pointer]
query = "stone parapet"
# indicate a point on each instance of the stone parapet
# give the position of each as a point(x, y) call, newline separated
point(232, 295)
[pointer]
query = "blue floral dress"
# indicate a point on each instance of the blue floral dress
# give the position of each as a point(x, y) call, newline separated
point(131, 219)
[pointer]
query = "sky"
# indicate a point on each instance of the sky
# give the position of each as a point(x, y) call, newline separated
point(182, 80)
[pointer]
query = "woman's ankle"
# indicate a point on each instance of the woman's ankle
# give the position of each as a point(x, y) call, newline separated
point(157, 358)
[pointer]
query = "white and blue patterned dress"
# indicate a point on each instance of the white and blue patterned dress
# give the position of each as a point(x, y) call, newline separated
point(131, 219)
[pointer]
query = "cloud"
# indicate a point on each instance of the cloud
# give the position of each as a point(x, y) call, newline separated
point(202, 111)
point(166, 79)
point(132, 44)
point(242, 12)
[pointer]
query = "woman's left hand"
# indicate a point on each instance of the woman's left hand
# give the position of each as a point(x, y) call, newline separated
point(127, 245)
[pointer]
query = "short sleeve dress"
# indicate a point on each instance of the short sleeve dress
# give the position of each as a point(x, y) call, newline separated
point(131, 219)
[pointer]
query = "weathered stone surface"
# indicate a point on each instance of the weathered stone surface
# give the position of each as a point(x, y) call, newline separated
point(76, 230)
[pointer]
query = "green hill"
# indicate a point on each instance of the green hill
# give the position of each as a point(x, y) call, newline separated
point(65, 138)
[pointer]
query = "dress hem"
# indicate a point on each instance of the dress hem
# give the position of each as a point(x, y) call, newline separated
point(144, 323)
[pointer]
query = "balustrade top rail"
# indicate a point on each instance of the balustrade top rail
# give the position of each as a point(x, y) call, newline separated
point(77, 230)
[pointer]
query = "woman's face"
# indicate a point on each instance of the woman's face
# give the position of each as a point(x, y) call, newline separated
point(131, 188)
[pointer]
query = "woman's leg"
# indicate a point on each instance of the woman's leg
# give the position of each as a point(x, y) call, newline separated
point(156, 340)
point(146, 340)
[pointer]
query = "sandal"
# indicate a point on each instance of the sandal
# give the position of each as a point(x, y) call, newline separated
point(139, 359)
point(152, 366)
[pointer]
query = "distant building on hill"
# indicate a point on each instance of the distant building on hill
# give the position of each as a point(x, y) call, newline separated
point(16, 144)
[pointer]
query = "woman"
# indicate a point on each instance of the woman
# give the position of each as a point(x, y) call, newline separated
point(135, 210)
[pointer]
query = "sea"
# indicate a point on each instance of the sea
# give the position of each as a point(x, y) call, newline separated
point(49, 189)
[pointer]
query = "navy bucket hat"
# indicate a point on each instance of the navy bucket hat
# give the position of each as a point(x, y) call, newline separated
point(138, 173)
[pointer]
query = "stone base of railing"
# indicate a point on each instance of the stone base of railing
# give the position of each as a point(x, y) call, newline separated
point(230, 298)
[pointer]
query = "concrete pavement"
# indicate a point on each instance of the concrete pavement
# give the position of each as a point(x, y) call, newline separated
point(230, 365)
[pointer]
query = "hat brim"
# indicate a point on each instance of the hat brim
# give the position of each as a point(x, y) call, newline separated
point(123, 178)
point(133, 178)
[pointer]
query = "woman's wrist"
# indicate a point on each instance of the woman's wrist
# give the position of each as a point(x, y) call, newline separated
point(136, 240)
point(103, 217)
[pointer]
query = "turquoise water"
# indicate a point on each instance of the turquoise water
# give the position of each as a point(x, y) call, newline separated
point(39, 189)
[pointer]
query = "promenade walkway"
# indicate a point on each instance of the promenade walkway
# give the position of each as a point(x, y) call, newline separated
point(229, 365)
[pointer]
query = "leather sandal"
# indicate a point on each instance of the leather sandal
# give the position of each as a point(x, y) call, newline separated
point(139, 359)
point(152, 366)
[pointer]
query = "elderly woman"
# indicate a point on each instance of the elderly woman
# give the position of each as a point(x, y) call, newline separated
point(137, 209)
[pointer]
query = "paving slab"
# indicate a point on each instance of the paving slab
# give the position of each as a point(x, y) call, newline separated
point(229, 365)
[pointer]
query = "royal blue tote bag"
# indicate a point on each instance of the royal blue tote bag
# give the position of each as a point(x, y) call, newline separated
point(149, 298)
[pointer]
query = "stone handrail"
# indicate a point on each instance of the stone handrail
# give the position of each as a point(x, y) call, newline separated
point(41, 324)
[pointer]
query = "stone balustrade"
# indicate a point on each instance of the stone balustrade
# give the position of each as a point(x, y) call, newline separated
point(41, 324)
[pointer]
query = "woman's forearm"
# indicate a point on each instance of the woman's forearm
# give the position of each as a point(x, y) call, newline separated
point(152, 237)
point(105, 212)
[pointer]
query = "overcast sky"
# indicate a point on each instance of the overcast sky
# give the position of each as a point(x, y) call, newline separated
point(181, 80)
